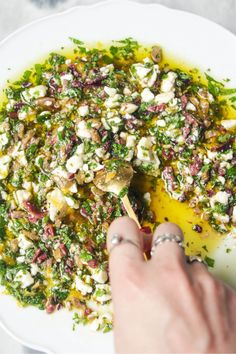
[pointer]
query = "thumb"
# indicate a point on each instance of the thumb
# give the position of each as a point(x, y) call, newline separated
point(127, 253)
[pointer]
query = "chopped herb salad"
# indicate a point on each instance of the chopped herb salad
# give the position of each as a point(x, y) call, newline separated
point(61, 123)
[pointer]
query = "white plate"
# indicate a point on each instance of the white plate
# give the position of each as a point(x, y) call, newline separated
point(189, 37)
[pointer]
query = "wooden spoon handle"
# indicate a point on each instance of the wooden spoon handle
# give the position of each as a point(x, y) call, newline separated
point(132, 215)
point(129, 209)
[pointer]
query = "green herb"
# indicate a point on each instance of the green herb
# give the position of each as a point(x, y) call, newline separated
point(31, 151)
point(85, 256)
point(231, 173)
point(120, 150)
point(123, 192)
point(124, 49)
point(209, 261)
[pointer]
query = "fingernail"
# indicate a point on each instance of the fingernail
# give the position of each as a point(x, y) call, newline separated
point(146, 229)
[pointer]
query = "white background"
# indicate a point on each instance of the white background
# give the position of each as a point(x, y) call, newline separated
point(15, 13)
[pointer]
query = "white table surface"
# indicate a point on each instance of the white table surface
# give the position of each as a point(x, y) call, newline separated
point(15, 13)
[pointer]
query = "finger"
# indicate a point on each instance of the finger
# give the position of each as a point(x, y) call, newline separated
point(125, 252)
point(168, 254)
point(198, 271)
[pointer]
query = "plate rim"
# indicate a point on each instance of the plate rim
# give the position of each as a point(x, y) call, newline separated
point(65, 12)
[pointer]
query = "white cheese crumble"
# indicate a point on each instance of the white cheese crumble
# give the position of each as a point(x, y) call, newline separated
point(190, 107)
point(34, 269)
point(83, 110)
point(56, 204)
point(168, 83)
point(103, 293)
point(21, 196)
point(24, 244)
point(222, 218)
point(100, 276)
point(3, 140)
point(128, 108)
point(220, 197)
point(228, 123)
point(4, 166)
point(81, 286)
point(146, 73)
point(145, 152)
point(82, 130)
point(75, 162)
point(147, 95)
point(164, 97)
point(147, 198)
point(25, 278)
point(34, 92)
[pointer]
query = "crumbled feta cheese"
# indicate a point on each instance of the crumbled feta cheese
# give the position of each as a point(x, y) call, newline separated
point(146, 73)
point(95, 324)
point(221, 179)
point(190, 107)
point(130, 144)
point(113, 101)
point(220, 197)
point(110, 91)
point(25, 278)
point(25, 112)
point(22, 196)
point(189, 180)
point(56, 204)
point(100, 152)
point(128, 108)
point(66, 77)
point(34, 269)
point(228, 123)
point(147, 198)
point(164, 97)
point(20, 259)
point(60, 172)
point(145, 152)
point(100, 276)
point(161, 123)
point(168, 83)
point(211, 154)
point(147, 95)
point(24, 244)
point(105, 70)
point(141, 70)
point(4, 166)
point(127, 91)
point(227, 156)
point(75, 162)
point(222, 218)
point(82, 130)
point(72, 202)
point(89, 176)
point(73, 188)
point(82, 286)
point(27, 186)
point(103, 293)
point(34, 92)
point(83, 110)
point(3, 140)
point(112, 123)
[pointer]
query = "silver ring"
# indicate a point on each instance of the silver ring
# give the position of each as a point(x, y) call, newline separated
point(166, 238)
point(117, 240)
point(193, 259)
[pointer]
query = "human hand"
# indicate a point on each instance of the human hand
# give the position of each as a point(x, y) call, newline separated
point(165, 305)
